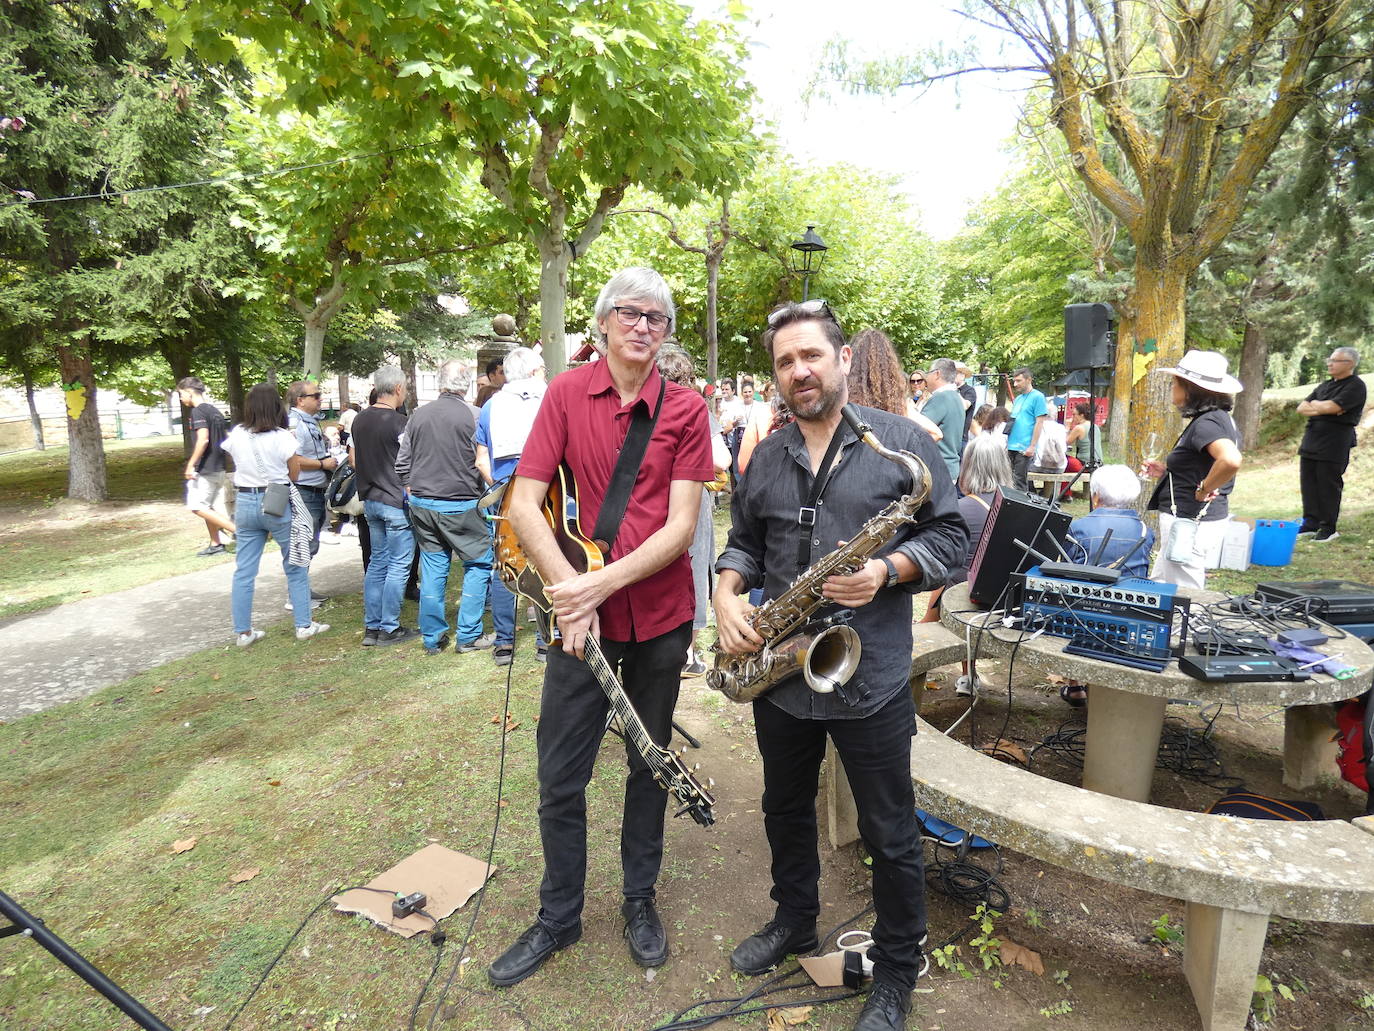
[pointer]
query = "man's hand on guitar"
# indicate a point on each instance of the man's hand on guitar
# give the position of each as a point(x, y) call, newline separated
point(579, 595)
point(736, 636)
point(575, 631)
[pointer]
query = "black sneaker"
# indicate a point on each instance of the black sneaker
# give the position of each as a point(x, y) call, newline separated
point(370, 636)
point(210, 549)
point(437, 647)
point(1325, 535)
point(885, 1009)
point(503, 654)
point(541, 654)
point(401, 633)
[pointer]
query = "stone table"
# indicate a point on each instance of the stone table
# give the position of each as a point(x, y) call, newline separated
point(1126, 705)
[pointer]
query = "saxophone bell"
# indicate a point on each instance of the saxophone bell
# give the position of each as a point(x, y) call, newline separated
point(831, 658)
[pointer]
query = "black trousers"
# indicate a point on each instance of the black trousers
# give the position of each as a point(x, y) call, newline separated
point(1322, 483)
point(572, 722)
point(876, 752)
point(1020, 469)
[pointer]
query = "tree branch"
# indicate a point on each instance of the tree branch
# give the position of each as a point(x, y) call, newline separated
point(672, 226)
point(610, 196)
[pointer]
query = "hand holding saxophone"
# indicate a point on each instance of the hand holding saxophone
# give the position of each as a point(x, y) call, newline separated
point(736, 635)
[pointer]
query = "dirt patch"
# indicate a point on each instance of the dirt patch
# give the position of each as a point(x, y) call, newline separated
point(1106, 968)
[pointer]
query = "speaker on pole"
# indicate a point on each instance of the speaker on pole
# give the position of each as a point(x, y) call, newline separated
point(1089, 336)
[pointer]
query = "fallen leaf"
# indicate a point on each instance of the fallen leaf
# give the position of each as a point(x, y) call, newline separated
point(1008, 750)
point(778, 1020)
point(246, 874)
point(1014, 955)
point(215, 676)
point(1055, 678)
point(184, 845)
point(251, 698)
point(158, 690)
point(274, 783)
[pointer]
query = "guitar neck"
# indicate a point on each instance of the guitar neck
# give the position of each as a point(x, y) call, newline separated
point(620, 704)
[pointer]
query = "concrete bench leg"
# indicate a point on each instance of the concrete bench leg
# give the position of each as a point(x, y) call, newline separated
point(1309, 754)
point(1221, 958)
point(1123, 742)
point(841, 815)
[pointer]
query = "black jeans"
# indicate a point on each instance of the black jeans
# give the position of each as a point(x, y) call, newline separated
point(572, 722)
point(1322, 484)
point(1020, 469)
point(876, 752)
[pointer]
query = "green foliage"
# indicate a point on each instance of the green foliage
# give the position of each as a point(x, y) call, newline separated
point(1062, 1008)
point(1165, 931)
point(1034, 918)
point(1265, 1002)
point(1366, 1001)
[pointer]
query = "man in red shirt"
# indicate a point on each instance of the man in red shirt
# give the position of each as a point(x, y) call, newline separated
point(640, 606)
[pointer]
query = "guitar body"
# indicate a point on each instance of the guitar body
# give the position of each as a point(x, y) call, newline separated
point(560, 511)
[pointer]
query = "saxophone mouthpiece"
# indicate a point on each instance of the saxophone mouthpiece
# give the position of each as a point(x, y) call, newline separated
point(861, 429)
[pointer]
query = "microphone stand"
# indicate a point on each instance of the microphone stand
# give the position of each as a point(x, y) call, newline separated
point(25, 923)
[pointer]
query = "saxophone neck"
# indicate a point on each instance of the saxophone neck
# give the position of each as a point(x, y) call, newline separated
point(915, 468)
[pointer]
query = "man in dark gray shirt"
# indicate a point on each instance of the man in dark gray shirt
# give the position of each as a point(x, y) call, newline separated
point(778, 531)
point(437, 463)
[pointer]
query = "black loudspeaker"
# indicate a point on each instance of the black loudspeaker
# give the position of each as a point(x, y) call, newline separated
point(1014, 515)
point(1089, 336)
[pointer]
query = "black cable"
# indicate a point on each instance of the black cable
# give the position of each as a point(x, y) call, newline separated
point(491, 852)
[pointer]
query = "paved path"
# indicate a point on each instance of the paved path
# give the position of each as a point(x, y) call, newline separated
point(73, 650)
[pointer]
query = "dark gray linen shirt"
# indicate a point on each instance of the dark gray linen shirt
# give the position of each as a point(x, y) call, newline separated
point(763, 547)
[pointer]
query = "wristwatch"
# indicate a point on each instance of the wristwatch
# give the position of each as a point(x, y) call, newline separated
point(892, 574)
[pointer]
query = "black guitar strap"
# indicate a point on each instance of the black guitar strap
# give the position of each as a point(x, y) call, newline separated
point(632, 451)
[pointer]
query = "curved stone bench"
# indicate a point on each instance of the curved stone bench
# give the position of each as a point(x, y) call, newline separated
point(1233, 874)
point(932, 645)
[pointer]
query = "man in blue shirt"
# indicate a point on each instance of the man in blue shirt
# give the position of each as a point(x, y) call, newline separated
point(1114, 491)
point(1028, 413)
point(502, 429)
point(303, 397)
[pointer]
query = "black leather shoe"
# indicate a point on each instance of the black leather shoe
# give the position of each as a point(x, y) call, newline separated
point(644, 932)
point(529, 952)
point(761, 952)
point(885, 1010)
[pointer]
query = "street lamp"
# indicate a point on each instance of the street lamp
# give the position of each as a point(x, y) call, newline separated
point(808, 257)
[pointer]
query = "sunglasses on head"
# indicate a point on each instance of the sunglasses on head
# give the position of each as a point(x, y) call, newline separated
point(816, 307)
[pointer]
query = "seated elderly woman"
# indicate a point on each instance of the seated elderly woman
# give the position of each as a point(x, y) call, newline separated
point(1114, 490)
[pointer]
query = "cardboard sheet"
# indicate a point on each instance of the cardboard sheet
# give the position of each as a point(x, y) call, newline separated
point(448, 879)
point(827, 971)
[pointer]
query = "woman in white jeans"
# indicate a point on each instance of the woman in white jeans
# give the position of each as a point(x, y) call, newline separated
point(1196, 478)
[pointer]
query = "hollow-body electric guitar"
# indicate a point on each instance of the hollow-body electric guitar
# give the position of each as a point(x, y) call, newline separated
point(561, 512)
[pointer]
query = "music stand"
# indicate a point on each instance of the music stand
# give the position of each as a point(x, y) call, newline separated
point(25, 923)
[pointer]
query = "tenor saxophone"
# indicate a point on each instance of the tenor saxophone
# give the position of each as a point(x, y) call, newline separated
point(825, 653)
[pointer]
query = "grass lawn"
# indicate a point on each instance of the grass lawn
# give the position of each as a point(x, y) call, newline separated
point(54, 551)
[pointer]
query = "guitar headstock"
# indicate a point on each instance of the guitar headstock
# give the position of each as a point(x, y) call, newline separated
point(693, 797)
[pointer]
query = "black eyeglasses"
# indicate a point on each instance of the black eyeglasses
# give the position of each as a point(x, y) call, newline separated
point(315, 396)
point(629, 318)
point(788, 311)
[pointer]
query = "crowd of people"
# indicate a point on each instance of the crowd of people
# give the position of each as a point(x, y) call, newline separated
point(649, 443)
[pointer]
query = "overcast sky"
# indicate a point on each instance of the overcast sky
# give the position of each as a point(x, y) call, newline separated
point(947, 145)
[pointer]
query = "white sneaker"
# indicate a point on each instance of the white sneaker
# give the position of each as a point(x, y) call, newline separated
point(329, 537)
point(250, 637)
point(967, 686)
point(314, 604)
point(305, 632)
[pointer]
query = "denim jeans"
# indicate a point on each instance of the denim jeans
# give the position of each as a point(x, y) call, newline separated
point(876, 752)
point(314, 502)
point(253, 528)
point(384, 584)
point(571, 725)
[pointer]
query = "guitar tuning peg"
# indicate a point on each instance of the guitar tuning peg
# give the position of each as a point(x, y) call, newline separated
point(710, 782)
point(695, 767)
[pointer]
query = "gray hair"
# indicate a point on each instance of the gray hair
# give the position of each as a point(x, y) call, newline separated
point(453, 377)
point(388, 379)
point(1348, 352)
point(944, 368)
point(1115, 486)
point(522, 363)
point(986, 465)
point(636, 283)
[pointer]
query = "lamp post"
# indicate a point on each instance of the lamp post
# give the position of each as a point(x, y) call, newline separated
point(808, 255)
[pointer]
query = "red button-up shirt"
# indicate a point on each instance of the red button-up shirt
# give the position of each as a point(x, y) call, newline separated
point(583, 423)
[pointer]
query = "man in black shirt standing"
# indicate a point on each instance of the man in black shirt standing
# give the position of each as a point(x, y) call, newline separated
point(788, 513)
point(1333, 411)
point(372, 451)
point(204, 470)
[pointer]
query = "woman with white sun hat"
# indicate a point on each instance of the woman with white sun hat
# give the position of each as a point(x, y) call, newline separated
point(1196, 478)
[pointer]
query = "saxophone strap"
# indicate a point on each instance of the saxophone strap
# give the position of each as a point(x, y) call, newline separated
point(806, 514)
